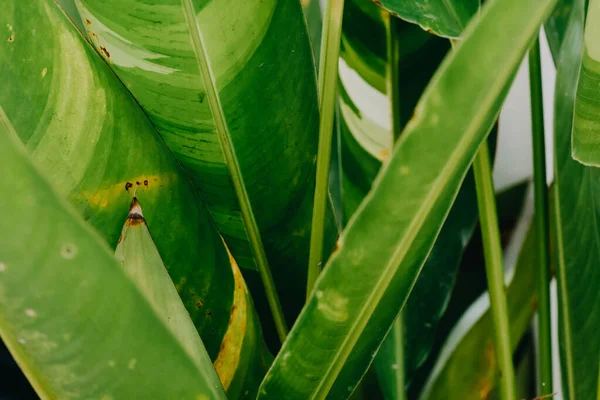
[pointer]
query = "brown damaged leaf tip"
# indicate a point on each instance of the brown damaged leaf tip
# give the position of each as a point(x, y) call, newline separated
point(135, 217)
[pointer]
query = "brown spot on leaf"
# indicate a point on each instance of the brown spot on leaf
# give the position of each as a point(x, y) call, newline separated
point(145, 182)
point(377, 2)
point(199, 303)
point(88, 22)
point(106, 53)
point(135, 216)
point(128, 185)
point(11, 38)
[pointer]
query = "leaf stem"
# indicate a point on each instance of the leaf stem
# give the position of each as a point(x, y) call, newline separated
point(494, 270)
point(541, 220)
point(392, 73)
point(392, 80)
point(252, 230)
point(328, 75)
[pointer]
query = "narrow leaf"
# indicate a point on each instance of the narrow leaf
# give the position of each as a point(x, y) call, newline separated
point(368, 279)
point(447, 18)
point(74, 321)
point(576, 208)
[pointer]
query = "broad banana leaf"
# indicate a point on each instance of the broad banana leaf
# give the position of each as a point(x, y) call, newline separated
point(586, 122)
point(262, 63)
point(447, 18)
point(60, 288)
point(466, 367)
point(576, 207)
point(368, 279)
point(97, 147)
point(365, 142)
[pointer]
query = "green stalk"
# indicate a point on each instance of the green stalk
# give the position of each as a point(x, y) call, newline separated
point(212, 93)
point(494, 271)
point(541, 220)
point(392, 76)
point(328, 75)
point(393, 92)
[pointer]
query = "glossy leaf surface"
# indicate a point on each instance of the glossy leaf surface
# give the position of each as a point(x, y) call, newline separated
point(467, 365)
point(368, 279)
point(267, 91)
point(446, 18)
point(60, 288)
point(97, 147)
point(576, 208)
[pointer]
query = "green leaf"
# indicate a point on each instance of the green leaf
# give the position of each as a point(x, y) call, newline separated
point(312, 13)
point(263, 69)
point(365, 142)
point(447, 18)
point(586, 123)
point(556, 26)
point(97, 147)
point(74, 321)
point(467, 367)
point(576, 208)
point(366, 282)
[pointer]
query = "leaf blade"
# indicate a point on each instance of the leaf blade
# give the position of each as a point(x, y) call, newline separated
point(403, 233)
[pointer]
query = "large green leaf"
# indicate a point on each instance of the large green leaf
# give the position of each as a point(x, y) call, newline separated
point(467, 366)
point(261, 60)
point(369, 277)
point(577, 233)
point(586, 122)
point(446, 18)
point(98, 148)
point(74, 321)
point(365, 142)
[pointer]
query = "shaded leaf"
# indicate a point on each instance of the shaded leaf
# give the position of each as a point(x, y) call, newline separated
point(576, 208)
point(467, 367)
point(446, 18)
point(556, 26)
point(368, 279)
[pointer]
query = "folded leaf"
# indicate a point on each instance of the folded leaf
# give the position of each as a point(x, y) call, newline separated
point(576, 208)
point(263, 68)
point(93, 141)
point(586, 122)
point(368, 279)
point(74, 321)
point(467, 366)
point(446, 18)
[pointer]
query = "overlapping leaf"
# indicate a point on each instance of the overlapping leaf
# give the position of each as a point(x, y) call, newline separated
point(368, 279)
point(577, 233)
point(366, 140)
point(446, 18)
point(98, 148)
point(467, 365)
point(260, 55)
point(74, 321)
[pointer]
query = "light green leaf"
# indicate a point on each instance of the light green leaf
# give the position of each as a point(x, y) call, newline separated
point(447, 18)
point(73, 320)
point(97, 147)
point(586, 123)
point(577, 209)
point(263, 68)
point(467, 366)
point(368, 279)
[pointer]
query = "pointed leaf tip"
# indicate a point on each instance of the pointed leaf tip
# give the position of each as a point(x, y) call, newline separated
point(135, 217)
